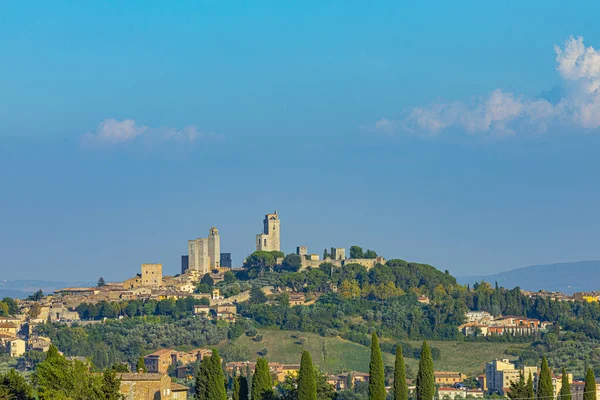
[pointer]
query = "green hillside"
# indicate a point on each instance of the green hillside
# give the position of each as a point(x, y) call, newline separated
point(335, 355)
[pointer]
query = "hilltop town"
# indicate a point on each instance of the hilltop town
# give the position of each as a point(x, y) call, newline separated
point(303, 293)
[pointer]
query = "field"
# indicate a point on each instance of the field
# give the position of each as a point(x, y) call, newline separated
point(330, 354)
point(465, 357)
point(337, 355)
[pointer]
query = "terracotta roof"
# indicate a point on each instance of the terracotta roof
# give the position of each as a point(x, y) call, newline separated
point(160, 353)
point(176, 387)
point(7, 325)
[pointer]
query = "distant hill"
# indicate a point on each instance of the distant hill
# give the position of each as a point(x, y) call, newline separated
point(582, 276)
point(22, 288)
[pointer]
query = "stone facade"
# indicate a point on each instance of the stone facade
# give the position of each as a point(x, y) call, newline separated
point(338, 253)
point(302, 250)
point(204, 254)
point(214, 248)
point(150, 386)
point(151, 275)
point(159, 361)
point(270, 239)
point(368, 263)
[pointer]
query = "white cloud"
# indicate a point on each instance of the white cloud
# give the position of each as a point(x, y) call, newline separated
point(111, 131)
point(188, 134)
point(502, 113)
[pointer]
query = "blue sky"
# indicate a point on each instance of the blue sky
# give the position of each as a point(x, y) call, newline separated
point(449, 133)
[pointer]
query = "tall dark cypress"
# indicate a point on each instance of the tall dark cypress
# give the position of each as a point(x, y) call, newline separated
point(565, 389)
point(545, 390)
point(530, 389)
point(235, 392)
point(201, 385)
point(589, 390)
point(425, 389)
point(376, 374)
point(400, 387)
point(262, 384)
point(307, 385)
point(217, 389)
point(210, 380)
point(240, 388)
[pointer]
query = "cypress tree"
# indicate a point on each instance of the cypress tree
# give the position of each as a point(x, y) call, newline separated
point(425, 389)
point(518, 389)
point(141, 365)
point(565, 390)
point(376, 374)
point(307, 385)
point(110, 385)
point(530, 389)
point(262, 384)
point(545, 390)
point(244, 392)
point(210, 380)
point(201, 386)
point(589, 390)
point(236, 389)
point(400, 387)
point(216, 385)
point(240, 388)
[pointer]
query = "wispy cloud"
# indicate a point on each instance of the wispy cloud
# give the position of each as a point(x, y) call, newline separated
point(504, 114)
point(189, 134)
point(111, 132)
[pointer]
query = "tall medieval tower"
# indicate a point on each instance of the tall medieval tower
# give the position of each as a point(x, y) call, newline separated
point(269, 240)
point(214, 248)
point(204, 254)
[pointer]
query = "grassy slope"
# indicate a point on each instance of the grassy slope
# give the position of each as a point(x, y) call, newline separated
point(342, 355)
point(465, 357)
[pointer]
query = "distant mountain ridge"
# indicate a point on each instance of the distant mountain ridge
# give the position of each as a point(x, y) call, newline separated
point(21, 288)
point(569, 277)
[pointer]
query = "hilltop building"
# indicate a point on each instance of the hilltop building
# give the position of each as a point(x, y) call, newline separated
point(204, 254)
point(269, 240)
point(337, 258)
point(151, 276)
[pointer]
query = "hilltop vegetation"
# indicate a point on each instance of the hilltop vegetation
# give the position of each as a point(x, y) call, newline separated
point(346, 305)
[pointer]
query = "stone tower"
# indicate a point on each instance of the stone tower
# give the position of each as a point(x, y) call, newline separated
point(198, 258)
point(269, 240)
point(214, 248)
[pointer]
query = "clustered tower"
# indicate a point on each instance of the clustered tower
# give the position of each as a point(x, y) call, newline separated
point(269, 240)
point(204, 254)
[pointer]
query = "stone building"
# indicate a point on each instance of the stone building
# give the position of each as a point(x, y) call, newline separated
point(269, 240)
point(337, 259)
point(226, 260)
point(150, 386)
point(159, 361)
point(338, 253)
point(151, 275)
point(499, 374)
point(204, 254)
point(184, 264)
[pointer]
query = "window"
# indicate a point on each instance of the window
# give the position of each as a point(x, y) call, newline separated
point(265, 242)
